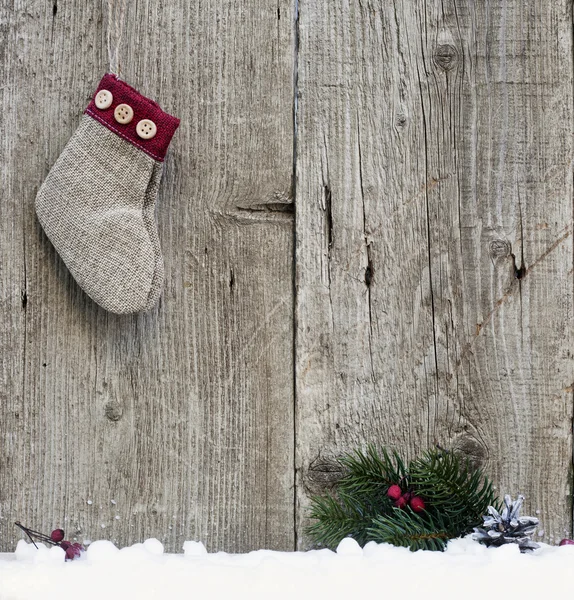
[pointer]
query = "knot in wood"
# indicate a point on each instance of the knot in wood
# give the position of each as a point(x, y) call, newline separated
point(472, 449)
point(401, 120)
point(445, 56)
point(113, 411)
point(322, 474)
point(500, 248)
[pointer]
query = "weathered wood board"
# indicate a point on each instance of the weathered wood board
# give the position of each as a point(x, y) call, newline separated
point(434, 239)
point(177, 424)
point(432, 251)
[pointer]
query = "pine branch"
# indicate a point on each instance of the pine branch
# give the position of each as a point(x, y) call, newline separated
point(406, 528)
point(455, 495)
point(370, 473)
point(337, 518)
point(454, 489)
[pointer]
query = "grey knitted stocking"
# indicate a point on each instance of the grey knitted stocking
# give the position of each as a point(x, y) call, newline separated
point(97, 205)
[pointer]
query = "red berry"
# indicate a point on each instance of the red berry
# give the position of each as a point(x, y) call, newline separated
point(72, 552)
point(566, 542)
point(65, 544)
point(394, 492)
point(401, 502)
point(417, 504)
point(57, 535)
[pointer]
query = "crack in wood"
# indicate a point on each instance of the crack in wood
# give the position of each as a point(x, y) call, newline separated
point(480, 326)
point(327, 205)
point(296, 40)
point(269, 207)
point(369, 267)
point(429, 248)
point(519, 272)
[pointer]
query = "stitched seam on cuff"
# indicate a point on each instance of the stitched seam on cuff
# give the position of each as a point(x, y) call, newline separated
point(106, 124)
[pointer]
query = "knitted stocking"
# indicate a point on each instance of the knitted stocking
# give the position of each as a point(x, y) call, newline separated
point(97, 204)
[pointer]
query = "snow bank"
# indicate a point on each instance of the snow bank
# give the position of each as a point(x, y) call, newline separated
point(144, 571)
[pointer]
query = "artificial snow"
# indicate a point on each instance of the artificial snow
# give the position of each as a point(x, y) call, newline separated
point(143, 571)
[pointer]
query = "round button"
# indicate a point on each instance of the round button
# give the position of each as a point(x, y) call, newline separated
point(146, 129)
point(104, 99)
point(124, 114)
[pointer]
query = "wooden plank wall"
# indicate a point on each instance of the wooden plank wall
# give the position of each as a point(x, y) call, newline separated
point(422, 293)
point(434, 246)
point(183, 416)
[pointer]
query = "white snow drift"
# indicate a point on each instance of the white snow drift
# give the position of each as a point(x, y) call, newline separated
point(143, 571)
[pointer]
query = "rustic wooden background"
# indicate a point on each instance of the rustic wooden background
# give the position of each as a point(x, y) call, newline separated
point(366, 217)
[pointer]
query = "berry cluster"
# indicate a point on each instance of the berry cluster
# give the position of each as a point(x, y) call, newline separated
point(402, 500)
point(56, 538)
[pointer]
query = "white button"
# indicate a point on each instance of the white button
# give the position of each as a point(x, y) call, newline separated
point(124, 114)
point(146, 129)
point(104, 99)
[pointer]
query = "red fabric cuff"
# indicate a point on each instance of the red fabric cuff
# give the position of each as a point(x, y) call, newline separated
point(143, 108)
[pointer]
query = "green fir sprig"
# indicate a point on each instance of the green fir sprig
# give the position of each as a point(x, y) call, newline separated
point(455, 497)
point(407, 528)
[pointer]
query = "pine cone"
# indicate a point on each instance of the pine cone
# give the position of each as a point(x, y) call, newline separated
point(508, 527)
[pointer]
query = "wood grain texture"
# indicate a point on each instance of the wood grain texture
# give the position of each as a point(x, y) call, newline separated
point(433, 263)
point(434, 240)
point(177, 424)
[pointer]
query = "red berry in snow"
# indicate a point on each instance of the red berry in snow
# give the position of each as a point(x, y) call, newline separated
point(402, 502)
point(65, 544)
point(72, 552)
point(57, 535)
point(566, 542)
point(417, 504)
point(394, 492)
